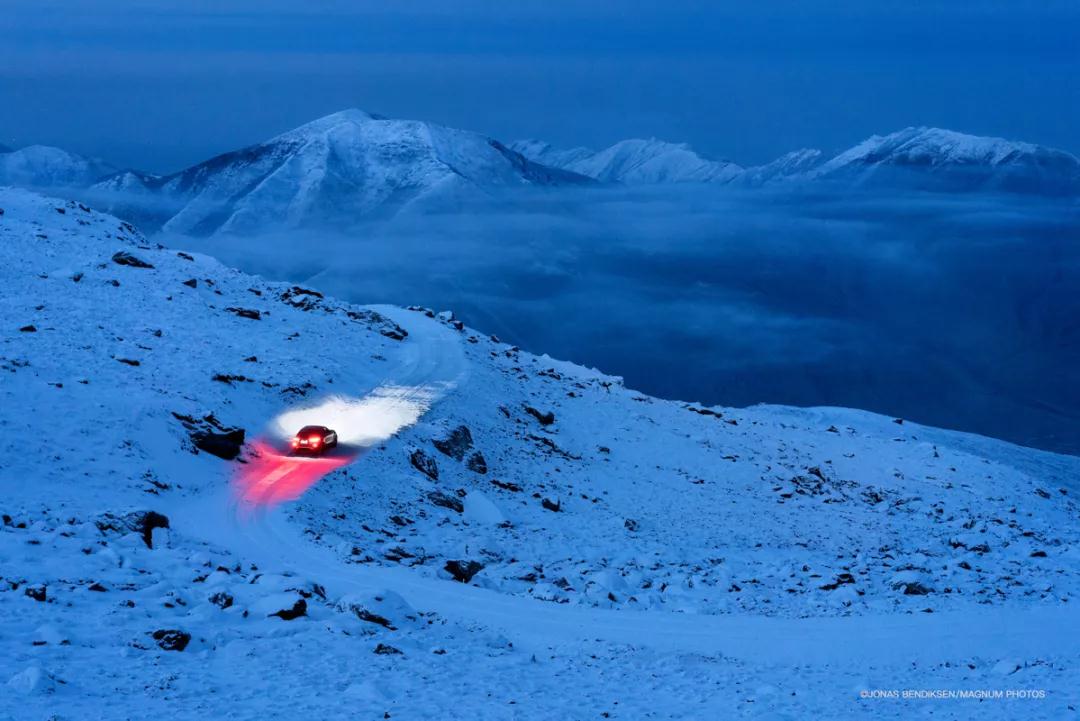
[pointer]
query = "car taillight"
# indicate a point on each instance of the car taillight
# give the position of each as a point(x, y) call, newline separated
point(315, 440)
point(295, 442)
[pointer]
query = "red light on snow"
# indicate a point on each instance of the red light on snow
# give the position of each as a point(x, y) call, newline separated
point(271, 478)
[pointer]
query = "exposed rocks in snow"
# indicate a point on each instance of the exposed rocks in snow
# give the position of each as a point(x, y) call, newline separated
point(550, 505)
point(210, 435)
point(456, 444)
point(142, 522)
point(385, 650)
point(446, 501)
point(289, 614)
point(249, 313)
point(28, 329)
point(463, 571)
point(425, 464)
point(915, 588)
point(191, 283)
point(124, 258)
point(841, 580)
point(546, 419)
point(226, 445)
point(630, 524)
point(37, 591)
point(221, 599)
point(477, 463)
point(172, 639)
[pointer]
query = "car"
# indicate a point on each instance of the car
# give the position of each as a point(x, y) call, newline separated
point(314, 440)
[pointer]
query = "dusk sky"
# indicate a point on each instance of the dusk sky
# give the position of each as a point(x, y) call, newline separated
point(160, 85)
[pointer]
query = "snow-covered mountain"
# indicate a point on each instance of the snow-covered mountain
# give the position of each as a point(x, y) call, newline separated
point(529, 537)
point(785, 168)
point(339, 168)
point(633, 162)
point(45, 167)
point(936, 159)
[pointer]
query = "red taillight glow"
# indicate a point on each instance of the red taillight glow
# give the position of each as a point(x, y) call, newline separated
point(295, 442)
point(314, 440)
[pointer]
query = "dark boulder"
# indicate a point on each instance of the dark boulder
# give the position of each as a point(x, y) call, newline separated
point(222, 600)
point(463, 571)
point(384, 650)
point(225, 445)
point(915, 589)
point(28, 329)
point(546, 419)
point(141, 522)
point(555, 506)
point(172, 639)
point(477, 463)
point(129, 260)
point(425, 464)
point(288, 614)
point(249, 313)
point(38, 592)
point(456, 444)
point(444, 501)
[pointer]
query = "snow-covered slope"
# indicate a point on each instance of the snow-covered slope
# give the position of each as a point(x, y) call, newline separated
point(788, 166)
point(634, 162)
point(335, 169)
point(619, 554)
point(936, 159)
point(42, 166)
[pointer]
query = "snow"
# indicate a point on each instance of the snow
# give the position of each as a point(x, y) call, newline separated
point(636, 162)
point(695, 567)
point(347, 165)
point(42, 166)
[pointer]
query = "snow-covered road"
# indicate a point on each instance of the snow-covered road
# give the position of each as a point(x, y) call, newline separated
point(256, 527)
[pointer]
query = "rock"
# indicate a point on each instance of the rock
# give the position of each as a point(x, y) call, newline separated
point(97, 587)
point(122, 258)
point(477, 463)
point(425, 464)
point(842, 579)
point(37, 591)
point(1038, 554)
point(384, 650)
point(456, 444)
point(444, 501)
point(223, 445)
point(288, 614)
point(630, 524)
point(249, 313)
point(555, 506)
point(222, 600)
point(546, 419)
point(463, 571)
point(28, 329)
point(191, 283)
point(172, 639)
point(915, 589)
point(130, 362)
point(141, 522)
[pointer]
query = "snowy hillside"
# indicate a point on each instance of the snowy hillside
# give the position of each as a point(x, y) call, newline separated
point(634, 162)
point(41, 166)
point(336, 169)
point(501, 535)
point(787, 167)
point(936, 159)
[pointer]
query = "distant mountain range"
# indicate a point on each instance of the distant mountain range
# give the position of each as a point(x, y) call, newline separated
point(352, 165)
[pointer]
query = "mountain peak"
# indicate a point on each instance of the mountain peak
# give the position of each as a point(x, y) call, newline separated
point(320, 126)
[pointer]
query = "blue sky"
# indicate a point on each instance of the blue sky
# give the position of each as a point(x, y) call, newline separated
point(161, 84)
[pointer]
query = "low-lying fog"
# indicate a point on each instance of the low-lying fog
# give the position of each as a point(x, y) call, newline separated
point(957, 311)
